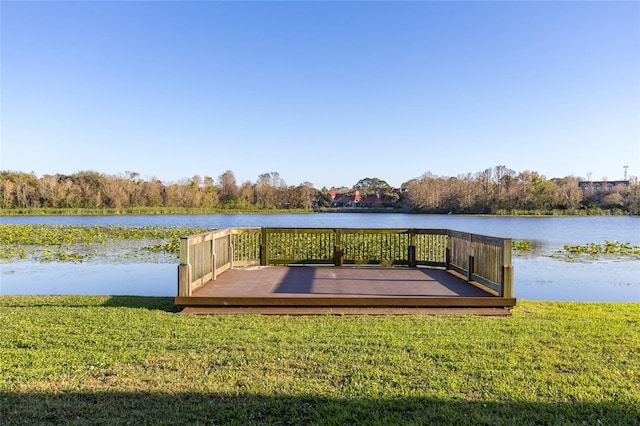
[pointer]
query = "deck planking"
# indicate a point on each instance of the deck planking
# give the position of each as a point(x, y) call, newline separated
point(306, 290)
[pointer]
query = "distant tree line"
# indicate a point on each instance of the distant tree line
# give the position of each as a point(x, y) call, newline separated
point(494, 190)
point(90, 189)
point(502, 190)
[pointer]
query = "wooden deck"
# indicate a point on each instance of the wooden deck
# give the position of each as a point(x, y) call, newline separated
point(304, 290)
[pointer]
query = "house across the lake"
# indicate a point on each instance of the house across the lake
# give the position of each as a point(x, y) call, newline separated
point(348, 199)
point(592, 187)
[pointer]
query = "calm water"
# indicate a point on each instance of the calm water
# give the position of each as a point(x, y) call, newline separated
point(537, 275)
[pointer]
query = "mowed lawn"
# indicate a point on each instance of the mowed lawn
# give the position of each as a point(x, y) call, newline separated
point(133, 360)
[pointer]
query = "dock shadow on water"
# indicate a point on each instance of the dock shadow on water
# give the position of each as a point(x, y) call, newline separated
point(213, 408)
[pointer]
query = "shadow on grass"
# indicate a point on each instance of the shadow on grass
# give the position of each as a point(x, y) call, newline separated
point(146, 302)
point(139, 302)
point(191, 408)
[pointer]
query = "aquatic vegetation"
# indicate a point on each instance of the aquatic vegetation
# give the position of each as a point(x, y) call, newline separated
point(167, 247)
point(595, 251)
point(609, 247)
point(76, 243)
point(521, 245)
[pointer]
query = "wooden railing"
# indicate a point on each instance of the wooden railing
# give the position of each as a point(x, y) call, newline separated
point(482, 260)
point(346, 246)
point(205, 256)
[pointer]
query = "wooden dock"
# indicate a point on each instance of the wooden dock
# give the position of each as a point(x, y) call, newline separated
point(290, 278)
point(304, 290)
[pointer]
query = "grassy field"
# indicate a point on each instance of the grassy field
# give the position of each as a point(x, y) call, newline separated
point(133, 360)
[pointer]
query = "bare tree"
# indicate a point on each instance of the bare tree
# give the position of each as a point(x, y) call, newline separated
point(228, 188)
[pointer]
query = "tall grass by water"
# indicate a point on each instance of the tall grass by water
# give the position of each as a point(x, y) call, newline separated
point(133, 360)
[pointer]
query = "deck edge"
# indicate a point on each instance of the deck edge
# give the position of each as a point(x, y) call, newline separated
point(442, 302)
point(299, 311)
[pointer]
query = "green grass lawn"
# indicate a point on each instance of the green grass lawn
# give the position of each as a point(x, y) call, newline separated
point(133, 360)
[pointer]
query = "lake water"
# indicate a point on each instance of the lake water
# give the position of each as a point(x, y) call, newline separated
point(538, 275)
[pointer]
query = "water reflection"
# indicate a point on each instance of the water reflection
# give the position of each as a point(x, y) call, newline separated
point(544, 278)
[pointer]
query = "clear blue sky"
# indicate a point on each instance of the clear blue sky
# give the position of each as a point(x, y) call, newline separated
point(325, 92)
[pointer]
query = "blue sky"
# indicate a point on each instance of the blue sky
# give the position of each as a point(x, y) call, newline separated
point(325, 92)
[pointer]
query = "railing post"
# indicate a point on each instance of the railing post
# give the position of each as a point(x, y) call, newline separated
point(506, 286)
point(184, 269)
point(411, 256)
point(447, 252)
point(471, 265)
point(264, 250)
point(507, 282)
point(338, 252)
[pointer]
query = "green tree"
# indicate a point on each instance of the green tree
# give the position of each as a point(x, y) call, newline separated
point(372, 186)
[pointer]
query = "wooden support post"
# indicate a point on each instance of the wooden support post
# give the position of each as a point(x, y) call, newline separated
point(506, 286)
point(264, 250)
point(411, 256)
point(184, 269)
point(338, 251)
point(507, 282)
point(447, 258)
point(184, 280)
point(470, 266)
point(184, 251)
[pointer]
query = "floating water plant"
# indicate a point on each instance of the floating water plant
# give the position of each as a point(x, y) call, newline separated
point(65, 243)
point(521, 245)
point(595, 251)
point(609, 247)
